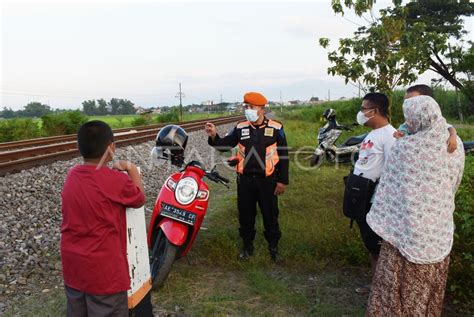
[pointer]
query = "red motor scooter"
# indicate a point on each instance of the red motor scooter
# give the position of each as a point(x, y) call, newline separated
point(181, 204)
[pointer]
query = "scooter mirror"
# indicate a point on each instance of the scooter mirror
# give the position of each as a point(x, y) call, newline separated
point(157, 156)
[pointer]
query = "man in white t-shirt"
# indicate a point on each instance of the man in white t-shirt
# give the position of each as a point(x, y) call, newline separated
point(373, 154)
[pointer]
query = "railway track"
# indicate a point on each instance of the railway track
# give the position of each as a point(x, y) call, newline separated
point(20, 155)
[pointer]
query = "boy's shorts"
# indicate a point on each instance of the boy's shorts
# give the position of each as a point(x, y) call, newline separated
point(82, 304)
point(371, 240)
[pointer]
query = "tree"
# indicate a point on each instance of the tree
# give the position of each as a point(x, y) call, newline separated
point(466, 66)
point(7, 113)
point(115, 105)
point(89, 107)
point(126, 107)
point(35, 109)
point(67, 122)
point(405, 41)
point(102, 109)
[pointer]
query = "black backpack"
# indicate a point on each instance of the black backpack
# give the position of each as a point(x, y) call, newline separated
point(357, 195)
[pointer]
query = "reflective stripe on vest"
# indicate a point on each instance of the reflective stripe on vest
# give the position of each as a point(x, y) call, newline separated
point(271, 159)
point(241, 156)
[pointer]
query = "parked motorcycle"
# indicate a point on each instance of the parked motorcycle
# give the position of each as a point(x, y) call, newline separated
point(469, 147)
point(328, 135)
point(181, 204)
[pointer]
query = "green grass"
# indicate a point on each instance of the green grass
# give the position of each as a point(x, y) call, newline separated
point(116, 121)
point(123, 121)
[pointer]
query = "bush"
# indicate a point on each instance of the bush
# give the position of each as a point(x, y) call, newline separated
point(18, 129)
point(67, 122)
point(347, 109)
point(172, 116)
point(461, 270)
point(142, 120)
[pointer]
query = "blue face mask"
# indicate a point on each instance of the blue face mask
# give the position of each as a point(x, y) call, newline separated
point(251, 115)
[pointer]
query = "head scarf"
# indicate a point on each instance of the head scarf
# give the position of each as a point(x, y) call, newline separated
point(414, 202)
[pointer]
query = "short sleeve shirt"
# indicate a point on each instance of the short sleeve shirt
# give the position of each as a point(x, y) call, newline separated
point(93, 229)
point(374, 151)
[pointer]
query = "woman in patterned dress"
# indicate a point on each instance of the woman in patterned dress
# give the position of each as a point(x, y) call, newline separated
point(413, 213)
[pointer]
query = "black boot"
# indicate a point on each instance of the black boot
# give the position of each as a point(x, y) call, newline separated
point(274, 254)
point(247, 252)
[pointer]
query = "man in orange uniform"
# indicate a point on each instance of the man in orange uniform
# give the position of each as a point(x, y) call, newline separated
point(262, 170)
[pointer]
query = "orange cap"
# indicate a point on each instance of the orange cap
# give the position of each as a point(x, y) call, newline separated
point(255, 98)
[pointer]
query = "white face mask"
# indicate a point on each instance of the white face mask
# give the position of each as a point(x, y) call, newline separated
point(362, 119)
point(251, 115)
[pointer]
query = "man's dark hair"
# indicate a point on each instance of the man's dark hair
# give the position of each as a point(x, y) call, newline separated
point(424, 90)
point(379, 101)
point(93, 138)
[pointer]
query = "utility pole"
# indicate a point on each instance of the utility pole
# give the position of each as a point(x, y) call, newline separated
point(281, 102)
point(329, 94)
point(180, 95)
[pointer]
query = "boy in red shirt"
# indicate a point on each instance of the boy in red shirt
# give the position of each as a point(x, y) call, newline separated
point(93, 230)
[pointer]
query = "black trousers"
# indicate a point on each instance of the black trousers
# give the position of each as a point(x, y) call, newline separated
point(250, 192)
point(80, 304)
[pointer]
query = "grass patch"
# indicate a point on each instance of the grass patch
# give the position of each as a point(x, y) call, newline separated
point(50, 304)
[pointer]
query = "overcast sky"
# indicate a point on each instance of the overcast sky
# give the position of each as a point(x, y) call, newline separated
point(61, 53)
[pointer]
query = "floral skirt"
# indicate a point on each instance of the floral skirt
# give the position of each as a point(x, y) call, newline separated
point(403, 288)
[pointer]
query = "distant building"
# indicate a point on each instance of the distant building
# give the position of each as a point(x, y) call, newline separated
point(207, 103)
point(140, 110)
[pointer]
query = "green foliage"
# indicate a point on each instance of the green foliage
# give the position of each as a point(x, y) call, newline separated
point(461, 270)
point(466, 66)
point(115, 106)
point(7, 113)
point(347, 109)
point(67, 122)
point(381, 55)
point(141, 120)
point(18, 129)
point(405, 41)
point(35, 109)
point(171, 116)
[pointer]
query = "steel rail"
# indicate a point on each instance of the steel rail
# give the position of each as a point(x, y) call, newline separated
point(14, 145)
point(14, 161)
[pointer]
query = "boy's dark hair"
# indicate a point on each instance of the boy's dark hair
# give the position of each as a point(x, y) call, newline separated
point(424, 90)
point(379, 101)
point(93, 138)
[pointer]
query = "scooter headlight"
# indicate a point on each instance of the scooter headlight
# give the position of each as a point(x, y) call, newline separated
point(186, 190)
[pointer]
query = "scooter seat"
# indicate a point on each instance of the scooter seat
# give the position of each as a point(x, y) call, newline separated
point(354, 140)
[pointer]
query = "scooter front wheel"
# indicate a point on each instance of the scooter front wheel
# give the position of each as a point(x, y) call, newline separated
point(163, 256)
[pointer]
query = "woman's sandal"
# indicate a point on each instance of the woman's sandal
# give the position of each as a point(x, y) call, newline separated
point(363, 290)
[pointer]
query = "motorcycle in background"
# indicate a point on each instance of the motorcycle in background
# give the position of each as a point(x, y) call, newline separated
point(469, 147)
point(328, 135)
point(180, 206)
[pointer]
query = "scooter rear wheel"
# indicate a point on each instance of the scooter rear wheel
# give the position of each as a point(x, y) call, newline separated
point(162, 258)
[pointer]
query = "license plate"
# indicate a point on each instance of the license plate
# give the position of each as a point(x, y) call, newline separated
point(178, 214)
